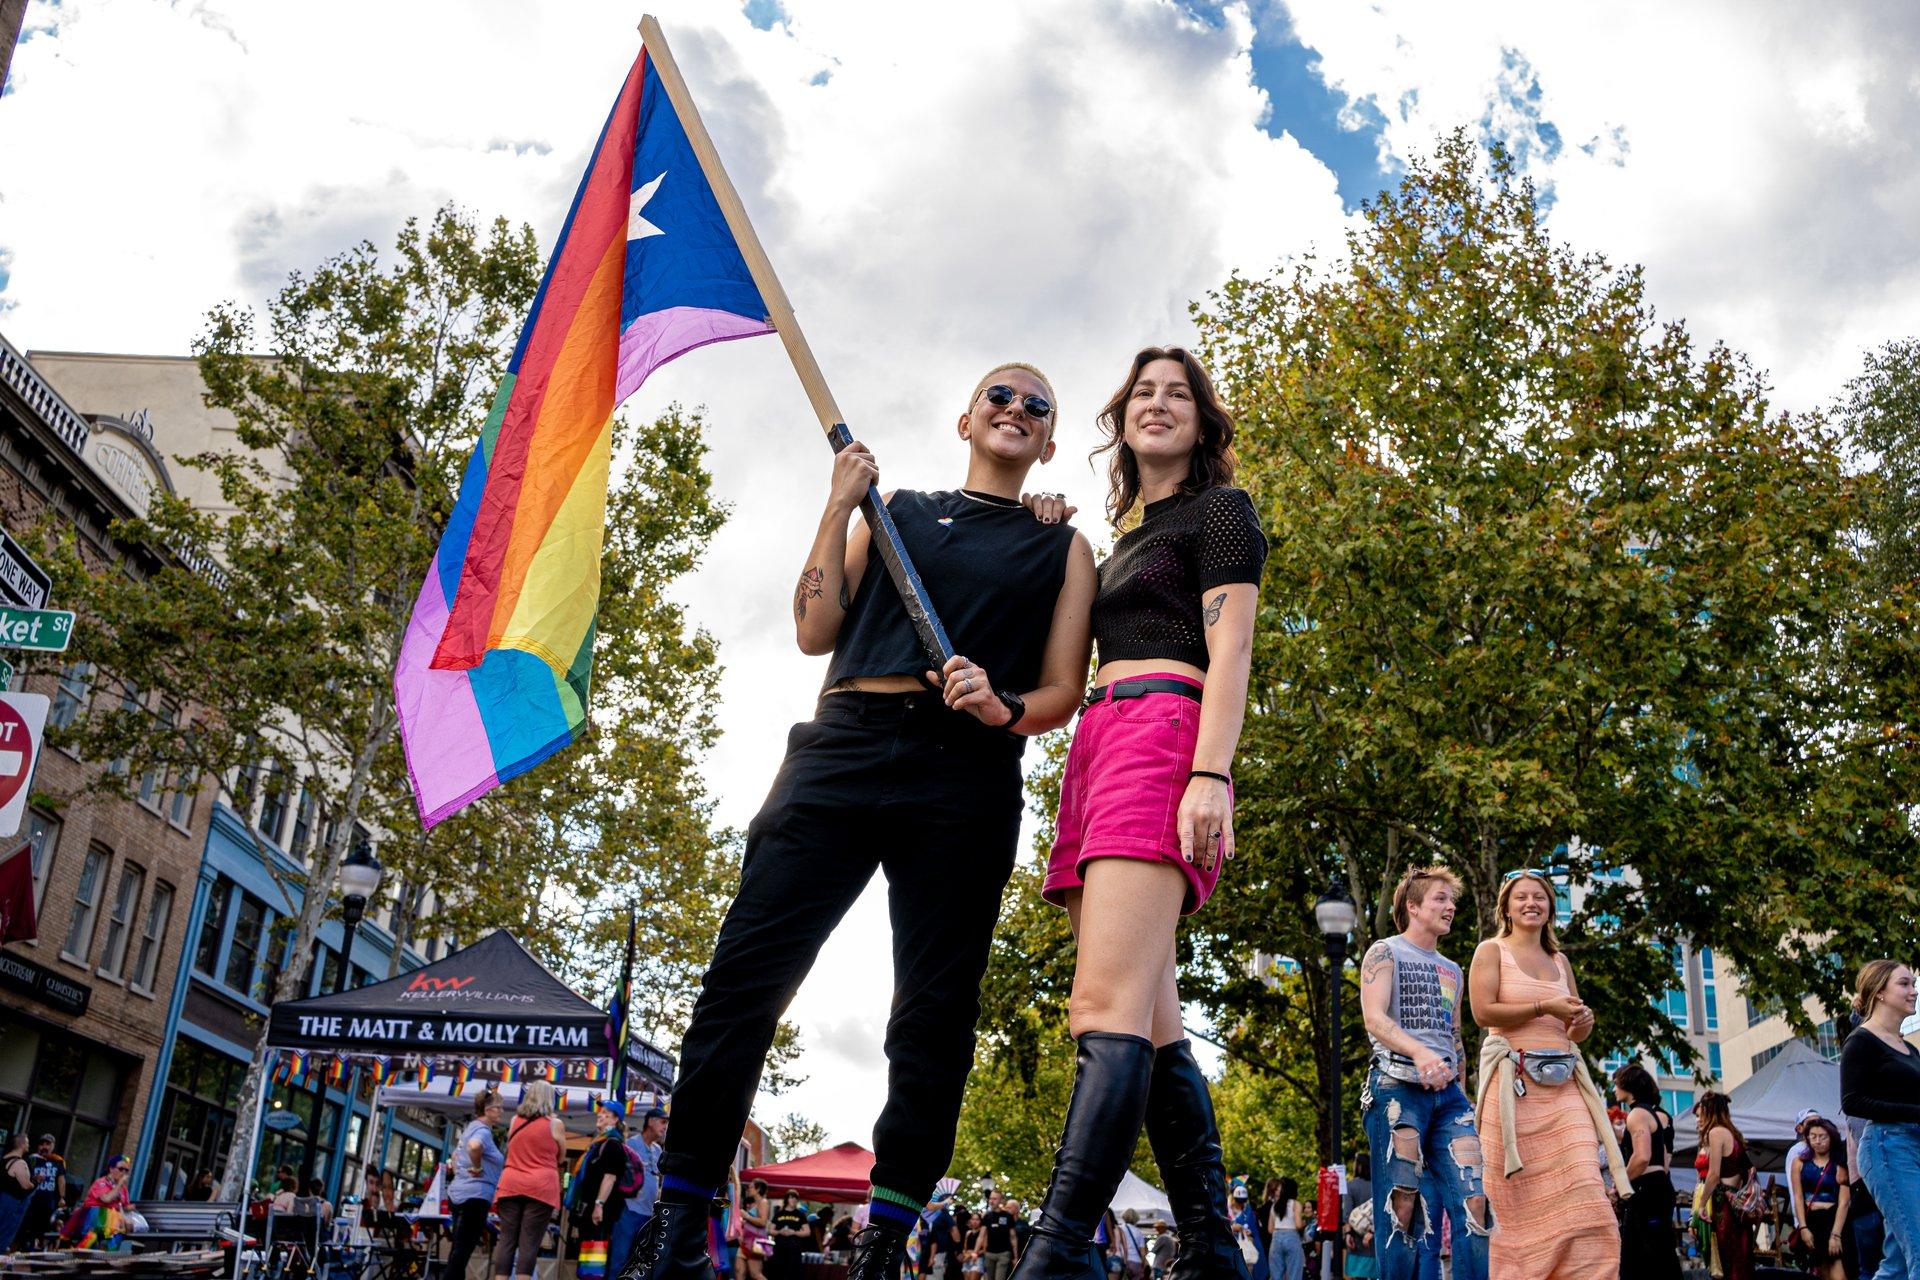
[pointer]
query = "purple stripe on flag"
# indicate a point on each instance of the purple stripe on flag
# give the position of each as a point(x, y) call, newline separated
point(653, 339)
point(448, 754)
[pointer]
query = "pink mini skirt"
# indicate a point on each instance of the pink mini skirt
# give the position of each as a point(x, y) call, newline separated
point(1126, 773)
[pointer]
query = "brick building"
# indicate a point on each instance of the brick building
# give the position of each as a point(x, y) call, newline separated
point(84, 1008)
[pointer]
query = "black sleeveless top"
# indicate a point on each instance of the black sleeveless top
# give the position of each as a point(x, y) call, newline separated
point(1149, 604)
point(993, 573)
point(1661, 1146)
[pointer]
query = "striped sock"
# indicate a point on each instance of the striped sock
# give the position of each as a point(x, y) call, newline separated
point(893, 1208)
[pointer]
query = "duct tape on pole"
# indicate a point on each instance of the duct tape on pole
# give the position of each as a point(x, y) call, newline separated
point(23, 722)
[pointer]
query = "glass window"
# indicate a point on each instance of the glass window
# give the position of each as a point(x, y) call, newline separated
point(180, 809)
point(1677, 1101)
point(243, 949)
point(62, 1063)
point(206, 953)
point(1709, 996)
point(43, 837)
point(279, 929)
point(153, 935)
point(129, 702)
point(1826, 1039)
point(1675, 1002)
point(18, 1047)
point(126, 899)
point(302, 826)
point(71, 695)
point(1713, 1058)
point(86, 905)
point(273, 804)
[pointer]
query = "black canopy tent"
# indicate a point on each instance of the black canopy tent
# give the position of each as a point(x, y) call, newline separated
point(482, 1008)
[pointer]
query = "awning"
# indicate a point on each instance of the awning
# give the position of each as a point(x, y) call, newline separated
point(842, 1174)
point(492, 1001)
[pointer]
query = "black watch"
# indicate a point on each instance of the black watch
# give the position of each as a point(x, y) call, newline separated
point(1012, 702)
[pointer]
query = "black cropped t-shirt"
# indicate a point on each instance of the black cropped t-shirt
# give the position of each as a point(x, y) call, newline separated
point(1149, 603)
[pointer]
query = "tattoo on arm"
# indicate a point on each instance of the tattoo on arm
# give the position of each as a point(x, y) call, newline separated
point(812, 583)
point(1212, 611)
point(846, 601)
point(1379, 959)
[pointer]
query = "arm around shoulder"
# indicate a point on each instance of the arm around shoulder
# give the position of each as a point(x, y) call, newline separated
point(1063, 664)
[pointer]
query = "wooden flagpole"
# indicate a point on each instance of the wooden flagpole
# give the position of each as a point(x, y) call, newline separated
point(886, 537)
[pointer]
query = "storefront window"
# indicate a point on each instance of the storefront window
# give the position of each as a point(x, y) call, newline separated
point(206, 953)
point(249, 921)
point(54, 1082)
point(196, 1120)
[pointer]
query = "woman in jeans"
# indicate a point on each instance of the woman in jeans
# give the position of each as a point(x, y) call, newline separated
point(528, 1194)
point(1286, 1259)
point(477, 1162)
point(1880, 1084)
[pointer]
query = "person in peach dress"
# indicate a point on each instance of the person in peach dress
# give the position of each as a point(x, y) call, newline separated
point(1551, 1218)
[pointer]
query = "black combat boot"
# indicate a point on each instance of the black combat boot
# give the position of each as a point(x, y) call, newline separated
point(1110, 1078)
point(877, 1252)
point(673, 1244)
point(1186, 1145)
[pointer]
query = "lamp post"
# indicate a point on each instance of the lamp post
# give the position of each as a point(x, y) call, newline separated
point(359, 881)
point(1334, 913)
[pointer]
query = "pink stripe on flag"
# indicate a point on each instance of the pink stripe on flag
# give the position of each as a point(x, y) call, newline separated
point(653, 339)
point(448, 755)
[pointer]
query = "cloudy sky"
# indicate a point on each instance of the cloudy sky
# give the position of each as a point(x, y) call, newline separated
point(942, 187)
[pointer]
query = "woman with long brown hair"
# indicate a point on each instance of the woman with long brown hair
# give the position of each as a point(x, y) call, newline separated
point(1146, 812)
point(1540, 1116)
point(1724, 1167)
point(1880, 1084)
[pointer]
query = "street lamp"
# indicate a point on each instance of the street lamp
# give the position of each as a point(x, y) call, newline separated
point(359, 881)
point(1335, 915)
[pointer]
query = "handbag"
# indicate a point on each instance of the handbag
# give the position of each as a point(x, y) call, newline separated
point(1249, 1250)
point(1543, 1066)
point(1750, 1199)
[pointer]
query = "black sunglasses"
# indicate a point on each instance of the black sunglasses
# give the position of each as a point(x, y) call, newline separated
point(1000, 396)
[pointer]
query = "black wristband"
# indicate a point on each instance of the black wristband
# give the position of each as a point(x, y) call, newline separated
point(1014, 703)
point(1208, 773)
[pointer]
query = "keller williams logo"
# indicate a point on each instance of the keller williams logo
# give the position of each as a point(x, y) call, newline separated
point(425, 983)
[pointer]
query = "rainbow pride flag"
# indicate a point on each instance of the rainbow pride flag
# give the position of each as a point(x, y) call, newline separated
point(494, 670)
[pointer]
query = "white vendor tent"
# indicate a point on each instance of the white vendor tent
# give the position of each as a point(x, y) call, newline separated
point(1764, 1105)
point(1138, 1194)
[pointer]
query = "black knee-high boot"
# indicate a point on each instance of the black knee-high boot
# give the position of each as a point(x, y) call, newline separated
point(1186, 1145)
point(1103, 1122)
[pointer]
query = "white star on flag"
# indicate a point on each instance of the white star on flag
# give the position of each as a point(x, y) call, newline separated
point(638, 228)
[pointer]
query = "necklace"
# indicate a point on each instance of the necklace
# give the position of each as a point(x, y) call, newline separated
point(989, 499)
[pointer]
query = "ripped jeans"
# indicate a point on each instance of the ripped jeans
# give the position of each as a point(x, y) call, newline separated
point(1438, 1160)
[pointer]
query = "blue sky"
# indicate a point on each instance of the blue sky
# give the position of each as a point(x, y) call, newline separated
point(1304, 106)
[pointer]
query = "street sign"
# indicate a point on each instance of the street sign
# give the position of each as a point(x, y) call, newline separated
point(23, 718)
point(46, 629)
point(22, 581)
point(6, 675)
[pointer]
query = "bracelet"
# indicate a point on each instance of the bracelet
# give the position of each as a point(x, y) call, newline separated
point(1208, 773)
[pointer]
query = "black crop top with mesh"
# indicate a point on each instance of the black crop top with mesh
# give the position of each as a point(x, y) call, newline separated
point(1149, 602)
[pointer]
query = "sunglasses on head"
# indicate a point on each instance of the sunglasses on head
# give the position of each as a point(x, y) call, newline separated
point(1535, 872)
point(999, 395)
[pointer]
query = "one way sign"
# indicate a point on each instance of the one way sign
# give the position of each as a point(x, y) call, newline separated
point(23, 718)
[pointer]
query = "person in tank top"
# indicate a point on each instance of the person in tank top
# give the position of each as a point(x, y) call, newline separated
point(1649, 1249)
point(1551, 1218)
point(1419, 1121)
point(903, 769)
point(1724, 1167)
point(1146, 812)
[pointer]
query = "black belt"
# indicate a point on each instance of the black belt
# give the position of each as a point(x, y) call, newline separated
point(1121, 690)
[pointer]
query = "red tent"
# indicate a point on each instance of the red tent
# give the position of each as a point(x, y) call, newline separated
point(841, 1173)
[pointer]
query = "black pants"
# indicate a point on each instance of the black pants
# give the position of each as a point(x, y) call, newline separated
point(1649, 1246)
point(469, 1227)
point(931, 797)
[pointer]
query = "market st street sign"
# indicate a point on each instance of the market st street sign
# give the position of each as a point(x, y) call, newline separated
point(22, 581)
point(49, 630)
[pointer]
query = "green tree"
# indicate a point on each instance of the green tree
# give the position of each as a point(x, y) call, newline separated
point(793, 1136)
point(1551, 585)
point(353, 428)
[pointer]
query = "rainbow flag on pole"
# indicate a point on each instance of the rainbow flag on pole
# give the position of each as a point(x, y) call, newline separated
point(493, 673)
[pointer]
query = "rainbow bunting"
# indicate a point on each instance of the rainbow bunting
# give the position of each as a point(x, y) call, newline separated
point(382, 1070)
point(423, 1074)
point(462, 1072)
point(596, 1071)
point(493, 673)
point(509, 1071)
point(336, 1068)
point(559, 1099)
point(548, 1071)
